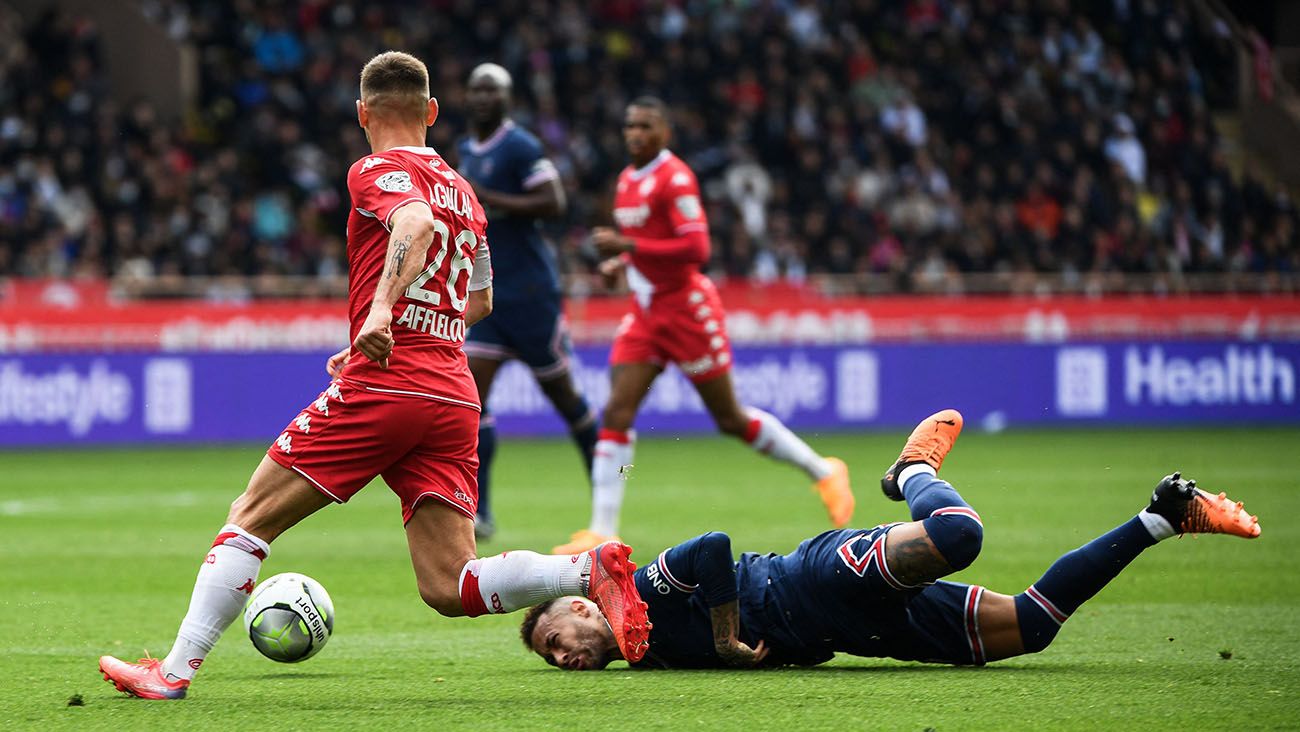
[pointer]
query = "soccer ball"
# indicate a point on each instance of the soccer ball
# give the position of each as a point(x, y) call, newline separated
point(289, 617)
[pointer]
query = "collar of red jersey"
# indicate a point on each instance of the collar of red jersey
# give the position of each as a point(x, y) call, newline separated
point(417, 150)
point(650, 167)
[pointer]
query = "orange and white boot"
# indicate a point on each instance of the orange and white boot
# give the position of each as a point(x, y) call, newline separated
point(929, 443)
point(1191, 510)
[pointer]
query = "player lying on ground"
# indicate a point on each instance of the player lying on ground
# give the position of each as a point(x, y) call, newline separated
point(676, 317)
point(406, 408)
point(519, 186)
point(870, 592)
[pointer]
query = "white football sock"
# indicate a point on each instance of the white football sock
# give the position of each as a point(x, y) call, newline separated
point(1157, 525)
point(608, 475)
point(520, 579)
point(914, 470)
point(775, 439)
point(226, 579)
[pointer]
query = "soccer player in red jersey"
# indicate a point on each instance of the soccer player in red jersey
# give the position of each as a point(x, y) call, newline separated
point(661, 241)
point(402, 405)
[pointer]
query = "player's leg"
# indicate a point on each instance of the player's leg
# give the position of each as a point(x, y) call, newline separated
point(455, 583)
point(1177, 507)
point(540, 336)
point(766, 434)
point(577, 413)
point(484, 371)
point(635, 361)
point(276, 498)
point(945, 534)
point(629, 383)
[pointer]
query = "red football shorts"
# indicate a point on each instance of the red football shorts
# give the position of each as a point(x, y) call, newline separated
point(687, 328)
point(423, 448)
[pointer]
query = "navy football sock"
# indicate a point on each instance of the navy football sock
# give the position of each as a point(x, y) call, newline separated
point(953, 526)
point(487, 448)
point(584, 430)
point(1074, 579)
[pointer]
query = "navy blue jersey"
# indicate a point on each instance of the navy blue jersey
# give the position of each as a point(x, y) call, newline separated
point(831, 594)
point(511, 161)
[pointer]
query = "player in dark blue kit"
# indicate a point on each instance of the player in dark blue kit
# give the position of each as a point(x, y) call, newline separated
point(869, 592)
point(518, 186)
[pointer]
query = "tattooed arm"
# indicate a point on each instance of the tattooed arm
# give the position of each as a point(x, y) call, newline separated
point(408, 244)
point(726, 629)
point(912, 557)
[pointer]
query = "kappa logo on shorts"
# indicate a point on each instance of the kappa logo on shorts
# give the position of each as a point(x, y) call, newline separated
point(304, 423)
point(462, 496)
point(285, 442)
point(699, 365)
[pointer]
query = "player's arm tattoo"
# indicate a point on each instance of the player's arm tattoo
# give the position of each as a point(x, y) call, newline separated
point(726, 623)
point(726, 637)
point(400, 248)
point(914, 559)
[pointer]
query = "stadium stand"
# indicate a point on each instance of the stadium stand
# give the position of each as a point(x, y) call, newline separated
point(912, 146)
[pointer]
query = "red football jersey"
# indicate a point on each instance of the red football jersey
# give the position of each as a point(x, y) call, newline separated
point(428, 320)
point(658, 206)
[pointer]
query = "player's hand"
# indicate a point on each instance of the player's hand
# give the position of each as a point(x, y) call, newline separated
point(740, 655)
point(375, 339)
point(335, 365)
point(610, 270)
point(609, 242)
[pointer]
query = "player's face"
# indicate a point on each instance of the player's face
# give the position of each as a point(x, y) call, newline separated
point(487, 100)
point(645, 132)
point(574, 637)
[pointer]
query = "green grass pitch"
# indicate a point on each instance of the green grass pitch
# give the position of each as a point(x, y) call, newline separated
point(98, 550)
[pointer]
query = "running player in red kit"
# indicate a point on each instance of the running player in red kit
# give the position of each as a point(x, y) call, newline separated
point(402, 405)
point(661, 242)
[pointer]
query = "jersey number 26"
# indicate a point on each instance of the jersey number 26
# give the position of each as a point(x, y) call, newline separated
point(457, 290)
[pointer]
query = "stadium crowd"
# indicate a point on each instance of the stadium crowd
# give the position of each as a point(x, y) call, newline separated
point(916, 140)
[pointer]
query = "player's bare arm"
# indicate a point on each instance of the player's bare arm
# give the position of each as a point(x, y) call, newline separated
point(610, 243)
point(479, 307)
point(726, 640)
point(410, 240)
point(913, 557)
point(547, 200)
point(334, 366)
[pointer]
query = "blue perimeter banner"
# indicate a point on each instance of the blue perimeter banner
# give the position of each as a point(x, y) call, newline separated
point(85, 399)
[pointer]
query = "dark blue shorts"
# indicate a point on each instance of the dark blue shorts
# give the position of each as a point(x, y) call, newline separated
point(533, 331)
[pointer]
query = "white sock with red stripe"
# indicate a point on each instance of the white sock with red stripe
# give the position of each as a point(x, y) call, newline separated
point(516, 580)
point(226, 579)
point(608, 474)
point(767, 435)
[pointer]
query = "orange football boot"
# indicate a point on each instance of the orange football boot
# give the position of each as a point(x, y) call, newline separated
point(614, 592)
point(144, 678)
point(836, 494)
point(929, 443)
point(583, 541)
point(1191, 510)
